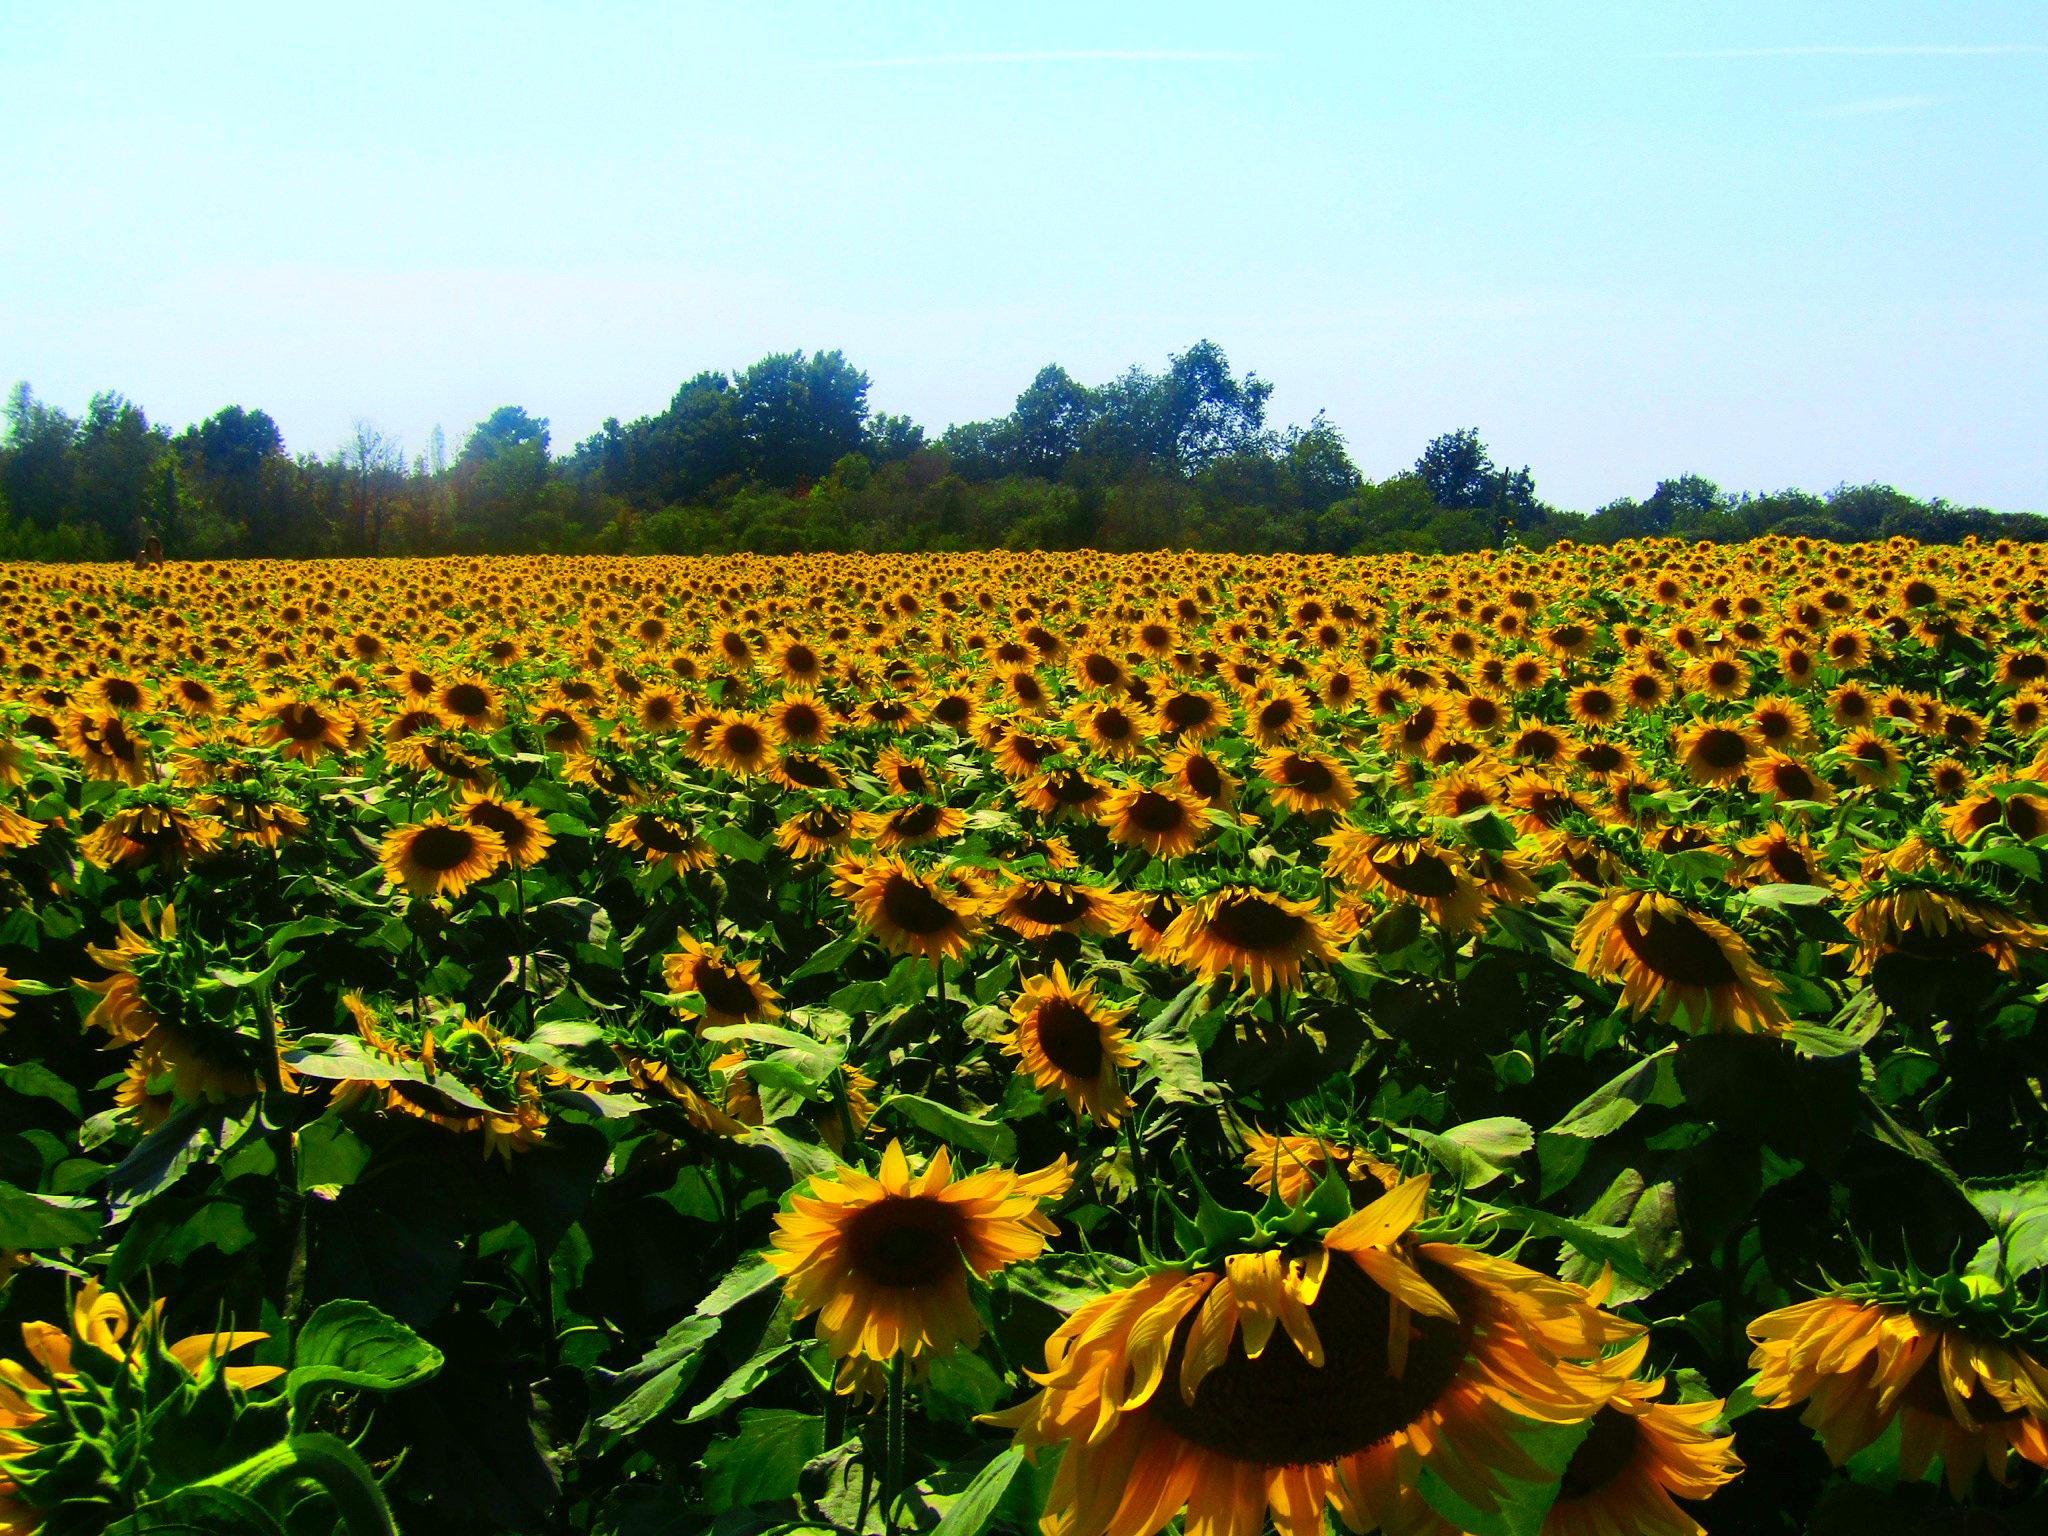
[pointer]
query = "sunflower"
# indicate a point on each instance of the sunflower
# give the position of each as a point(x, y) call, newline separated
point(1307, 782)
point(1275, 716)
point(467, 698)
point(733, 990)
point(1718, 752)
point(1778, 856)
point(739, 744)
point(1291, 1167)
point(2020, 813)
point(9, 985)
point(662, 839)
point(814, 832)
point(1684, 967)
point(901, 775)
point(563, 730)
point(911, 826)
point(1020, 753)
point(1637, 1456)
point(1784, 777)
point(1417, 733)
point(440, 857)
point(1322, 1377)
point(123, 1011)
point(938, 915)
point(1415, 871)
point(1960, 1392)
point(1067, 1038)
point(525, 836)
point(1929, 913)
point(1201, 775)
point(1870, 760)
point(1065, 794)
point(106, 748)
point(1462, 791)
point(796, 662)
point(1254, 936)
point(1038, 909)
point(885, 1261)
point(1148, 917)
point(162, 832)
point(1595, 706)
point(1112, 729)
point(1164, 820)
point(1721, 677)
point(458, 1076)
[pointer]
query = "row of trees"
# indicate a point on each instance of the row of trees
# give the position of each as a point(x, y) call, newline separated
point(787, 456)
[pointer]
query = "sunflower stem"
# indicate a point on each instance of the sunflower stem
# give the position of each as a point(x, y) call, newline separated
point(525, 945)
point(1450, 943)
point(893, 1449)
point(1141, 1190)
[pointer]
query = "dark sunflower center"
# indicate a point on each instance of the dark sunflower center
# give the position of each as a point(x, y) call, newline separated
point(2023, 815)
point(500, 820)
point(1421, 725)
point(1307, 775)
point(1203, 777)
point(1249, 923)
point(1155, 636)
point(1722, 749)
point(1788, 864)
point(1070, 1039)
point(466, 699)
point(741, 740)
point(302, 722)
point(1055, 906)
point(657, 835)
point(1724, 674)
point(1596, 704)
point(808, 772)
point(1101, 670)
point(1277, 716)
point(916, 820)
point(441, 849)
point(121, 693)
point(1602, 1456)
point(1676, 949)
point(1792, 781)
point(1425, 875)
point(913, 908)
point(723, 988)
point(1601, 757)
point(800, 661)
point(660, 709)
point(950, 710)
point(911, 780)
point(1279, 1410)
point(1482, 713)
point(1113, 725)
point(1073, 789)
point(1157, 813)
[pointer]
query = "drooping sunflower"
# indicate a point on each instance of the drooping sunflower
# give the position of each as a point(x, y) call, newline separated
point(1308, 782)
point(1067, 1038)
point(440, 857)
point(733, 990)
point(1413, 870)
point(884, 1261)
point(1778, 856)
point(458, 1075)
point(662, 838)
point(936, 915)
point(1322, 1377)
point(2023, 814)
point(519, 827)
point(1638, 1455)
point(1964, 1391)
point(106, 748)
point(1678, 964)
point(9, 985)
point(1188, 714)
point(1257, 937)
point(160, 831)
point(1163, 820)
point(1914, 902)
point(814, 832)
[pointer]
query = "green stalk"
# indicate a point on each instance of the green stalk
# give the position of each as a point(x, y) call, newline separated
point(893, 1453)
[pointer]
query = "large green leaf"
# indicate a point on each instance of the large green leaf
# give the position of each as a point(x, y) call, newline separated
point(30, 1221)
point(350, 1346)
point(764, 1461)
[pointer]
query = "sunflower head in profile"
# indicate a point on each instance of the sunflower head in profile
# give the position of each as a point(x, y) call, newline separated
point(886, 1260)
point(1148, 918)
point(1040, 908)
point(1163, 819)
point(1308, 783)
point(1778, 855)
point(1296, 1378)
point(1918, 903)
point(519, 827)
point(563, 729)
point(439, 856)
point(1257, 937)
point(154, 826)
point(662, 839)
point(125, 1011)
point(733, 990)
point(459, 1075)
point(936, 915)
point(1290, 1167)
point(1410, 870)
point(1955, 1363)
point(1067, 1038)
point(1678, 964)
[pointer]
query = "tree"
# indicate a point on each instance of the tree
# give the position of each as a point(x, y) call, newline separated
point(798, 415)
point(375, 466)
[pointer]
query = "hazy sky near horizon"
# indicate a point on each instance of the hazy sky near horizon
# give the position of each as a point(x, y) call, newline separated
point(1773, 244)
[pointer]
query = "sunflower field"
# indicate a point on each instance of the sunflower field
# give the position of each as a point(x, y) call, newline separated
point(1525, 1042)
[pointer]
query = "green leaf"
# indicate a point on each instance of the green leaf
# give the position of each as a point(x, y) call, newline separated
point(33, 1080)
point(764, 1461)
point(329, 1153)
point(749, 1278)
point(830, 958)
point(351, 1346)
point(1477, 1152)
point(990, 1138)
point(646, 1389)
point(30, 1221)
point(742, 1382)
point(970, 1513)
point(1522, 1505)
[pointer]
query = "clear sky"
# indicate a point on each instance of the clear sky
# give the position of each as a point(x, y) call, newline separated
point(1774, 243)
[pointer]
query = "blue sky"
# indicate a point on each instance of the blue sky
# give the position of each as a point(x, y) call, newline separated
point(1776, 244)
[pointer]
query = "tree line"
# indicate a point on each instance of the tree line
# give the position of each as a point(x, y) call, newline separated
point(787, 456)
